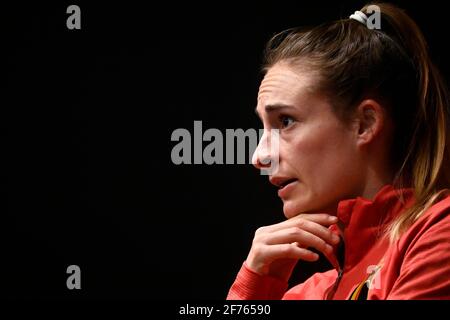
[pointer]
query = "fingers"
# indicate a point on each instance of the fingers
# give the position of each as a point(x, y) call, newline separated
point(275, 248)
point(318, 230)
point(320, 218)
point(310, 236)
point(291, 251)
point(311, 225)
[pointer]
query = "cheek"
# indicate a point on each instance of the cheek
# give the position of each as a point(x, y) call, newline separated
point(338, 168)
point(326, 152)
point(313, 143)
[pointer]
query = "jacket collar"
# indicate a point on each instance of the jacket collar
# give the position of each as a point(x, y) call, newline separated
point(361, 222)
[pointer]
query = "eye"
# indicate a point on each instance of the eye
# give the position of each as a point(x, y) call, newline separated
point(286, 121)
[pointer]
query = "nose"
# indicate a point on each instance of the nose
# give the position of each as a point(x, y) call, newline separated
point(261, 157)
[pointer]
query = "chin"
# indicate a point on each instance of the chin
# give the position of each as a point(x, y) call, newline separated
point(291, 210)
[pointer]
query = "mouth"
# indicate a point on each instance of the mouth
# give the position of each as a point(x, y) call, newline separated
point(285, 183)
point(282, 182)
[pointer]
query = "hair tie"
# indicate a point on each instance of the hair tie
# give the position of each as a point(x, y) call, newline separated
point(359, 16)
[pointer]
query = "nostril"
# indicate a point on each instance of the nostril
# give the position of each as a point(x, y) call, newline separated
point(255, 159)
point(265, 161)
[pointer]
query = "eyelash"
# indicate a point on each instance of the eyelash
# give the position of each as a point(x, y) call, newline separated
point(283, 117)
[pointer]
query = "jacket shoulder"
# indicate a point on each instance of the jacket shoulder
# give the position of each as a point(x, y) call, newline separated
point(424, 257)
point(438, 211)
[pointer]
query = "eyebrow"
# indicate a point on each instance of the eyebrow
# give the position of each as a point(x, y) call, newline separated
point(274, 107)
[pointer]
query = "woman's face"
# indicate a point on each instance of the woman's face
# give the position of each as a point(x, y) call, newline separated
point(319, 162)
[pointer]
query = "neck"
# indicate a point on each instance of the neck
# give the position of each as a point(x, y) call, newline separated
point(375, 180)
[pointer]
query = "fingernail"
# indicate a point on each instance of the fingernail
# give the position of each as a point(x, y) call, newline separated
point(329, 248)
point(333, 219)
point(334, 238)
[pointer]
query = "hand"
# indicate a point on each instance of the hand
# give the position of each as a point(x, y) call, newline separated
point(277, 248)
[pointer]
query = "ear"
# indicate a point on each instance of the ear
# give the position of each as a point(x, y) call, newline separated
point(370, 119)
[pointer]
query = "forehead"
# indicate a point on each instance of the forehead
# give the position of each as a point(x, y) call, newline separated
point(284, 85)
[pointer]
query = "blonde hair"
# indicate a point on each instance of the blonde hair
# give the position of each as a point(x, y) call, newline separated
point(392, 65)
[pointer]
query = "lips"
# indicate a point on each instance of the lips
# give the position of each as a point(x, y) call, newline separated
point(281, 182)
point(286, 188)
point(285, 185)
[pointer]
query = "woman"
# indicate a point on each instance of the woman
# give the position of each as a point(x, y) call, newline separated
point(363, 121)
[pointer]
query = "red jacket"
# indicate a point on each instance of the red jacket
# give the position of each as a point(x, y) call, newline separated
point(417, 266)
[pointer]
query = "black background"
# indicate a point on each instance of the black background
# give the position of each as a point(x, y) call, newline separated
point(86, 121)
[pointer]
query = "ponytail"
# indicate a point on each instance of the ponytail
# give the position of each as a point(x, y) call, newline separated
point(425, 166)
